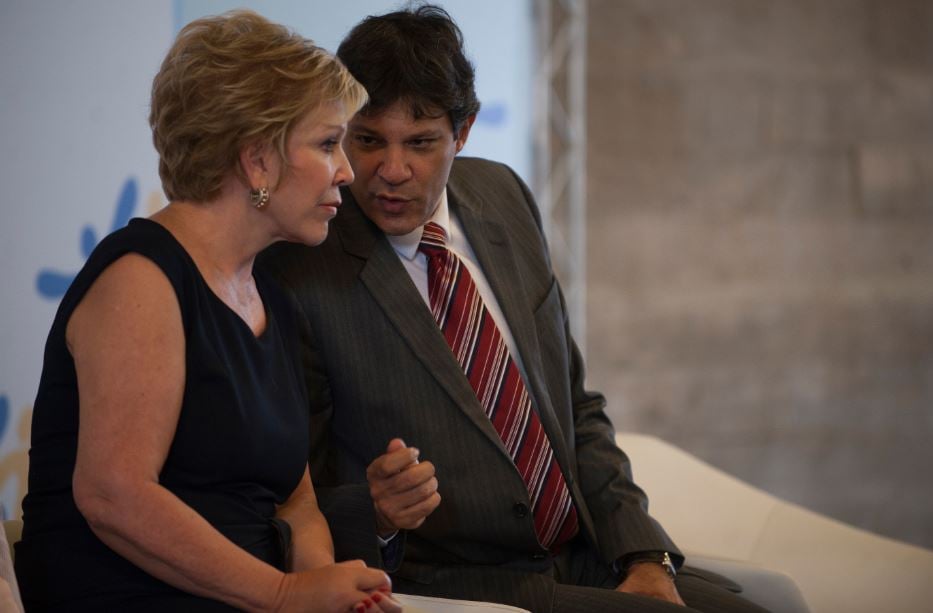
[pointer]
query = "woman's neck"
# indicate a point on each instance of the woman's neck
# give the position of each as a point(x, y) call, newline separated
point(215, 234)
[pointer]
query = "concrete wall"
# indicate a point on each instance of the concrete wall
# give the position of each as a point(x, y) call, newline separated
point(761, 242)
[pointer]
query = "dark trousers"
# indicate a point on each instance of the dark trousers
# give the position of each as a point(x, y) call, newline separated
point(575, 582)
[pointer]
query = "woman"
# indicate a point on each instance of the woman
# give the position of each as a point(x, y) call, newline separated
point(170, 434)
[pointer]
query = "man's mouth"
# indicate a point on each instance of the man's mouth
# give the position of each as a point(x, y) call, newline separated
point(391, 204)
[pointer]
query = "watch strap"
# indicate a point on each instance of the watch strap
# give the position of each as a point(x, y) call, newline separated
point(658, 557)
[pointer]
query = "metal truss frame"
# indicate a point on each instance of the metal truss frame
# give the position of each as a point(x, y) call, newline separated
point(559, 145)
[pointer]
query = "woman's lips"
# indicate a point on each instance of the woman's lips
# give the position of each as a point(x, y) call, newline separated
point(330, 206)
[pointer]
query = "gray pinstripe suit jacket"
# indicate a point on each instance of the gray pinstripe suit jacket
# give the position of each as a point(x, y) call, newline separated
point(378, 367)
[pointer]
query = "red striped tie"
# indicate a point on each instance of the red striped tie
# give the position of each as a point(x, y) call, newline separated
point(477, 344)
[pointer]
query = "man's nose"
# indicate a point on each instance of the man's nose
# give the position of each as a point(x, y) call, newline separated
point(394, 168)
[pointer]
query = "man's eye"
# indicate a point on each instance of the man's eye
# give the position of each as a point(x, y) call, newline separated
point(366, 141)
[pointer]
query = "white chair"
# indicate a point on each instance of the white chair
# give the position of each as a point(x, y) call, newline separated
point(425, 604)
point(9, 590)
point(714, 516)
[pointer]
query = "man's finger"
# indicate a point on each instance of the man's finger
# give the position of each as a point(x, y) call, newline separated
point(389, 464)
point(394, 502)
point(413, 477)
point(413, 516)
point(395, 444)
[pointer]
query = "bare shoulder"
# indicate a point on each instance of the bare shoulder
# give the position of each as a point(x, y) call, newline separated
point(131, 302)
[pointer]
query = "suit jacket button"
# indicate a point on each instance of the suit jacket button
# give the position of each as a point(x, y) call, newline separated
point(520, 509)
point(538, 556)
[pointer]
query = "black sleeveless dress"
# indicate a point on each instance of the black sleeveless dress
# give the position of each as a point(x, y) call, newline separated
point(240, 448)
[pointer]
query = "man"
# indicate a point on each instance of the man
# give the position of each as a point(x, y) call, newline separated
point(436, 321)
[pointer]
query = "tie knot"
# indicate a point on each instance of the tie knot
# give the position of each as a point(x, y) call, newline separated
point(433, 239)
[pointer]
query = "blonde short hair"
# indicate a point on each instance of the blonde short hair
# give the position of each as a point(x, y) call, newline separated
point(232, 80)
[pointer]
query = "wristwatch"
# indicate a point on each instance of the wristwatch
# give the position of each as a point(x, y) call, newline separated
point(658, 557)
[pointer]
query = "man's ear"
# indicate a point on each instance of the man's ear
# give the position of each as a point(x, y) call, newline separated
point(259, 163)
point(461, 136)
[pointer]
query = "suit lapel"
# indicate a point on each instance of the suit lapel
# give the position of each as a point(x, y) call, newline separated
point(489, 239)
point(390, 286)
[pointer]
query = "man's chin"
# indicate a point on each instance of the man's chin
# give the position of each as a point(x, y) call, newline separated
point(393, 225)
point(396, 230)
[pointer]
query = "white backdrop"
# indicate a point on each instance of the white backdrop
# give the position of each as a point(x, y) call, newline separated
point(76, 159)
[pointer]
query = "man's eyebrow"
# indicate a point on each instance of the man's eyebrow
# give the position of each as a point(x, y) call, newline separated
point(425, 134)
point(429, 133)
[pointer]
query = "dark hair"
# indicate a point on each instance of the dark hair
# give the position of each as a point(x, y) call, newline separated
point(415, 56)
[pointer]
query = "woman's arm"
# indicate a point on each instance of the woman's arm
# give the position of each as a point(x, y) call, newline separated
point(312, 546)
point(128, 344)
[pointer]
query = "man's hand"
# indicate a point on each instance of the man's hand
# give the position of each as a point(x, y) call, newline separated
point(650, 579)
point(404, 490)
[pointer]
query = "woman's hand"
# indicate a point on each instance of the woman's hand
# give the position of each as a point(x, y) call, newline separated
point(378, 602)
point(339, 588)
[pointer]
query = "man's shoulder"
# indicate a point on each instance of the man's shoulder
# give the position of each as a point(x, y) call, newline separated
point(479, 178)
point(466, 167)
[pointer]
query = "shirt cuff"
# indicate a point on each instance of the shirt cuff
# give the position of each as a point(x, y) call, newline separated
point(385, 542)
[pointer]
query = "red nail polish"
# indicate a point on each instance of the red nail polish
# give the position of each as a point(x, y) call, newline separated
point(377, 597)
point(360, 608)
point(368, 603)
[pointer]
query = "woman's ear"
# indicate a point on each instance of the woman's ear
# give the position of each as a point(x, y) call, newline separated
point(259, 163)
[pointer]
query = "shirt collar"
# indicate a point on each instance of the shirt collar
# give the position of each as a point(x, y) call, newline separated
point(406, 245)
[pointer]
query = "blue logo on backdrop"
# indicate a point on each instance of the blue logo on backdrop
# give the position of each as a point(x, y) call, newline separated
point(492, 114)
point(4, 415)
point(52, 284)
